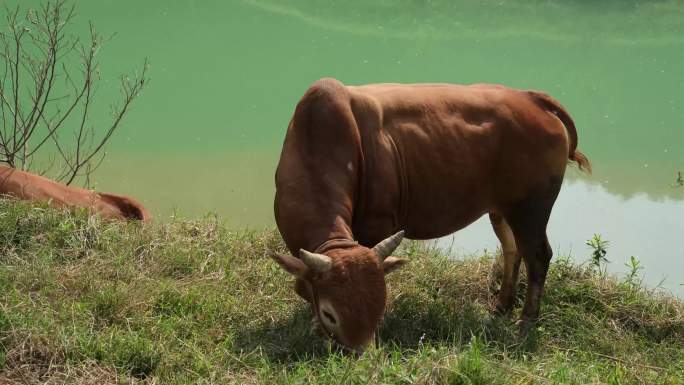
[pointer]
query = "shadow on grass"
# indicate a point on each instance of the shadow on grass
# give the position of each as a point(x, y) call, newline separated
point(413, 321)
point(409, 323)
point(286, 340)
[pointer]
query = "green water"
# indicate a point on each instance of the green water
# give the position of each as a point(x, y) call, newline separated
point(206, 133)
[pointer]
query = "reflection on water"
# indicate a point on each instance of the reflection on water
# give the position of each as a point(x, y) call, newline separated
point(616, 22)
point(638, 226)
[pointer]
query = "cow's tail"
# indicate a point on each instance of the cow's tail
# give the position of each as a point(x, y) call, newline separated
point(552, 105)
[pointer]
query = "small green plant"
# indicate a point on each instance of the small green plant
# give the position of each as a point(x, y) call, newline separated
point(634, 267)
point(599, 250)
point(470, 368)
point(680, 180)
point(617, 377)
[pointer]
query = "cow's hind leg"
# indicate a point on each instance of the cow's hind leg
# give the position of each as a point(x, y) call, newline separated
point(511, 263)
point(528, 220)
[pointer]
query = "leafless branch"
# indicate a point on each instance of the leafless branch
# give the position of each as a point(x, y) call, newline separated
point(35, 50)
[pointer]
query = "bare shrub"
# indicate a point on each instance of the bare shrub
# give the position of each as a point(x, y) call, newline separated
point(47, 91)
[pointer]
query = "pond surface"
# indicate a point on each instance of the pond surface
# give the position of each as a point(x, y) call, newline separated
point(206, 133)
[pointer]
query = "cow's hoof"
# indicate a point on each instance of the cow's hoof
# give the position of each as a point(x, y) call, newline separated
point(524, 325)
point(501, 309)
point(496, 321)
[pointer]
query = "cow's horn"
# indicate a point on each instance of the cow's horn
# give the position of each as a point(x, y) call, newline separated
point(386, 247)
point(316, 262)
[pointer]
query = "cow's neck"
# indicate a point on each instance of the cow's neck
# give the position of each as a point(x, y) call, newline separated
point(317, 188)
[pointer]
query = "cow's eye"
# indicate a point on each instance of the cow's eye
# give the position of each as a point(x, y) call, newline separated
point(329, 317)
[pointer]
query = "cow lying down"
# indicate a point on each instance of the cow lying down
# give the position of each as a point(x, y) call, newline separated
point(360, 163)
point(27, 186)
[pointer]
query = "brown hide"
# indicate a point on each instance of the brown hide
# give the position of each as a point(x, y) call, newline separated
point(27, 186)
point(362, 162)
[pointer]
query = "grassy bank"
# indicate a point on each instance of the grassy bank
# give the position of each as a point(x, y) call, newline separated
point(190, 302)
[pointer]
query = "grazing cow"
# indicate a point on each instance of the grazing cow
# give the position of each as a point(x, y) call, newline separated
point(362, 162)
point(27, 186)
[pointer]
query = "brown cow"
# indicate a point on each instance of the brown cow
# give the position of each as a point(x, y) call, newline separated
point(362, 162)
point(27, 186)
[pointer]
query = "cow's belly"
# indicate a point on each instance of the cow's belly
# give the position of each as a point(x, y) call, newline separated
point(434, 215)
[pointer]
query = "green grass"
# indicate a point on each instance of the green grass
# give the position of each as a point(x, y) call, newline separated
point(190, 302)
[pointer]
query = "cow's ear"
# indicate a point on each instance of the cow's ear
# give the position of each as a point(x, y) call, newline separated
point(303, 289)
point(292, 265)
point(390, 264)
